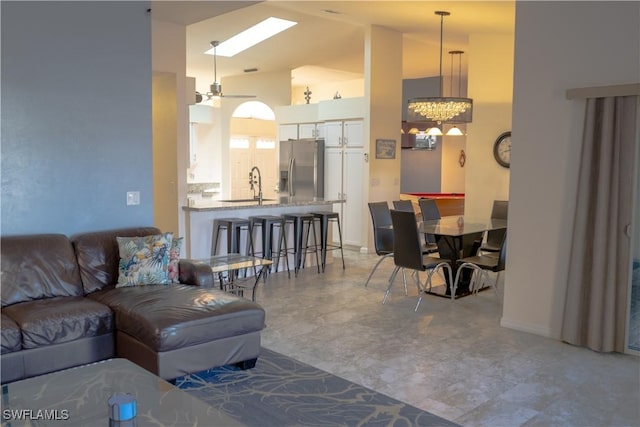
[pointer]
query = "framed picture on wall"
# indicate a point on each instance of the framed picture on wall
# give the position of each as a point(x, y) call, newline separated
point(385, 148)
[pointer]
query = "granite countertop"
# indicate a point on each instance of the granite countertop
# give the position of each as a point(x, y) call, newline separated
point(283, 201)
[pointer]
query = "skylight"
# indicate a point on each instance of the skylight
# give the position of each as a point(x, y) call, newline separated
point(252, 36)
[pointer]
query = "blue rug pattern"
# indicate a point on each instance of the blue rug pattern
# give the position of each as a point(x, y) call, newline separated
point(281, 391)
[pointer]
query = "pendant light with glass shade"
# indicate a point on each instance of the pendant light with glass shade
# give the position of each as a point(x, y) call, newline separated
point(440, 109)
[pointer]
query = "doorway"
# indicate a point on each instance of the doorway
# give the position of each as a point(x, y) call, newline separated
point(252, 143)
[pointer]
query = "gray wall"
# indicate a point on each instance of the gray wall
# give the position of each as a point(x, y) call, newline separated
point(76, 115)
point(421, 170)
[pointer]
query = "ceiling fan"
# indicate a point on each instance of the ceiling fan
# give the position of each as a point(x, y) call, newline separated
point(216, 87)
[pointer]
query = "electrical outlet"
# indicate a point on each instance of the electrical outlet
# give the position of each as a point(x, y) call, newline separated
point(133, 198)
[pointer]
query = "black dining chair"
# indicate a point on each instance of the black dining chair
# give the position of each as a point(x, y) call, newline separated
point(494, 238)
point(382, 233)
point(481, 265)
point(429, 212)
point(408, 254)
point(403, 205)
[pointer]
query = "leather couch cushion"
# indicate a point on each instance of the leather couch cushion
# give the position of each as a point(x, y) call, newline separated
point(167, 317)
point(98, 255)
point(11, 337)
point(38, 266)
point(58, 320)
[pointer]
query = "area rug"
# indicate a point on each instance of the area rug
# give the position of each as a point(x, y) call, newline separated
point(281, 391)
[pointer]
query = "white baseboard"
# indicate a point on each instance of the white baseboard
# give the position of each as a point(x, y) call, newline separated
point(526, 327)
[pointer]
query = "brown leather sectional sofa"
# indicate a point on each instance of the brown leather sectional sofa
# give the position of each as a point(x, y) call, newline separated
point(60, 308)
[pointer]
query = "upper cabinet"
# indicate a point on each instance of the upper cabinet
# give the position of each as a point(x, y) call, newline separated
point(344, 133)
point(311, 130)
point(287, 132)
point(300, 131)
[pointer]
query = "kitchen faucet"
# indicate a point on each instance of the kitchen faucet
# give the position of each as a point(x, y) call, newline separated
point(253, 182)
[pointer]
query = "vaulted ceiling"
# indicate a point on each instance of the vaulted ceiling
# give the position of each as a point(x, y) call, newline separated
point(328, 42)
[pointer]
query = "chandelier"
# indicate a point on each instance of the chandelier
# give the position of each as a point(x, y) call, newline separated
point(440, 109)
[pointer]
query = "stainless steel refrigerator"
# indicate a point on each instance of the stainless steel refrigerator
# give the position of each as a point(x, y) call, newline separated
point(302, 168)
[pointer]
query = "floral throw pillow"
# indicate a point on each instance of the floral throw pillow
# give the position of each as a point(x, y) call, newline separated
point(174, 259)
point(144, 260)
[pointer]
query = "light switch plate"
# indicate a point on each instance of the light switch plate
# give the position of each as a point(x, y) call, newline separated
point(133, 198)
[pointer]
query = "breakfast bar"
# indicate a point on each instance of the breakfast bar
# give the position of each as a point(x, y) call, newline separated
point(200, 216)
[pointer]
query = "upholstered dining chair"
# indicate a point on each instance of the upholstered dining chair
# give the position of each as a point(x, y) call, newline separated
point(494, 238)
point(408, 254)
point(382, 233)
point(481, 265)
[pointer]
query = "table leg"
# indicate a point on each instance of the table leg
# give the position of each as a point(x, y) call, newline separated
point(452, 248)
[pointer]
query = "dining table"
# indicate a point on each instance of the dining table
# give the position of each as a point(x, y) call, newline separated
point(458, 237)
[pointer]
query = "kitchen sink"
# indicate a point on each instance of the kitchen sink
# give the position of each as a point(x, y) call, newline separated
point(245, 200)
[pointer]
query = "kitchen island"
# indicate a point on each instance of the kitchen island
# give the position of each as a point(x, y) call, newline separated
point(200, 216)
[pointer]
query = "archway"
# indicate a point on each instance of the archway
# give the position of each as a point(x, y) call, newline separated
point(252, 142)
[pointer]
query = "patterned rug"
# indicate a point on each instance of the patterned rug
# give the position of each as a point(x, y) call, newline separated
point(281, 391)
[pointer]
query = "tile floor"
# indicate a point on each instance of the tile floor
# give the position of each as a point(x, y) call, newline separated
point(450, 358)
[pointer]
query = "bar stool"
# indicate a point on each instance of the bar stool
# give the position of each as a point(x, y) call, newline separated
point(299, 221)
point(233, 227)
point(325, 218)
point(268, 224)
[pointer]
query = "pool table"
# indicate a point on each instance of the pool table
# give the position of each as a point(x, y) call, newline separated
point(449, 204)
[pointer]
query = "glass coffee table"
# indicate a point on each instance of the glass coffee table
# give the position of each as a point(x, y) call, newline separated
point(78, 397)
point(230, 264)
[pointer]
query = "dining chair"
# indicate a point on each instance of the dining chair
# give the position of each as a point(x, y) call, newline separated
point(429, 212)
point(403, 205)
point(408, 254)
point(494, 238)
point(481, 265)
point(382, 233)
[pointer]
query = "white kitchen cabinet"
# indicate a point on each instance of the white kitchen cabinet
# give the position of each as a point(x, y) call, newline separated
point(352, 133)
point(352, 212)
point(344, 133)
point(300, 131)
point(287, 132)
point(344, 170)
point(333, 134)
point(333, 174)
point(311, 130)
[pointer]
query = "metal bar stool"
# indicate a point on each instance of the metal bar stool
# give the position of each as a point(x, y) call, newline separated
point(325, 218)
point(300, 243)
point(268, 224)
point(234, 228)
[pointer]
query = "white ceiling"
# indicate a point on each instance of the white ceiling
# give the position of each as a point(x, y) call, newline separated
point(328, 46)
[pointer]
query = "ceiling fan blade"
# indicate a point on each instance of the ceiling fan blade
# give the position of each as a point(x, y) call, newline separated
point(237, 96)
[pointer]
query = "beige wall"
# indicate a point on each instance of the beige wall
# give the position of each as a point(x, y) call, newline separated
point(452, 175)
point(351, 88)
point(165, 170)
point(491, 88)
point(383, 91)
point(558, 45)
point(168, 55)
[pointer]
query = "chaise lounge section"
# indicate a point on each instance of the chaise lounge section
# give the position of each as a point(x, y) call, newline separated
point(61, 308)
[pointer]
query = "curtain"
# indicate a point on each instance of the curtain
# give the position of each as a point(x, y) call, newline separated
point(599, 264)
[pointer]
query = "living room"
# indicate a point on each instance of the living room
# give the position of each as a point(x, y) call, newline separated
point(77, 128)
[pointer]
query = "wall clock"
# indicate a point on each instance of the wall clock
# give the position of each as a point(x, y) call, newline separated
point(502, 149)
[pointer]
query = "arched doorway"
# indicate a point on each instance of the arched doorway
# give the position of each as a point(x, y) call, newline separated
point(252, 142)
